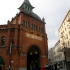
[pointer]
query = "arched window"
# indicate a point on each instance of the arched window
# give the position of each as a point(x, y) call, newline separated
point(1, 61)
point(3, 40)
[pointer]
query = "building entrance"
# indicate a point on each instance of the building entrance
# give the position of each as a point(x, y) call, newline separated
point(33, 57)
point(1, 63)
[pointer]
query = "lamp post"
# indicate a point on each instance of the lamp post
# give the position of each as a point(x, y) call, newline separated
point(10, 50)
point(64, 49)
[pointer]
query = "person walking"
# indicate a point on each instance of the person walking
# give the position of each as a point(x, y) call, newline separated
point(0, 68)
point(58, 67)
point(55, 66)
point(51, 67)
point(46, 67)
point(43, 68)
point(34, 67)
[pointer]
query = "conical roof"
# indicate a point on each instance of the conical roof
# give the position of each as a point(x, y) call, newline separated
point(27, 2)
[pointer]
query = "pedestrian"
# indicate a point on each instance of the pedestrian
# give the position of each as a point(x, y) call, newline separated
point(39, 67)
point(46, 67)
point(34, 67)
point(55, 66)
point(0, 68)
point(30, 67)
point(42, 68)
point(51, 67)
point(58, 67)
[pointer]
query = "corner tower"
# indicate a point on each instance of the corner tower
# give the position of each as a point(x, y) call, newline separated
point(26, 5)
point(25, 40)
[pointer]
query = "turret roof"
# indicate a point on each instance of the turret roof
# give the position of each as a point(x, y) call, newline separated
point(27, 2)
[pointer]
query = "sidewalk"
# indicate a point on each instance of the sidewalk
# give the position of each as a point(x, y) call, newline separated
point(62, 69)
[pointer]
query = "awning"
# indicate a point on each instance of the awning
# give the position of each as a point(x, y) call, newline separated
point(65, 49)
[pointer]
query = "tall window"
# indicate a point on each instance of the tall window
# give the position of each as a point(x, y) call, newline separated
point(68, 44)
point(24, 22)
point(65, 29)
point(32, 26)
point(42, 30)
point(27, 24)
point(66, 36)
point(36, 27)
point(39, 29)
point(69, 32)
point(3, 40)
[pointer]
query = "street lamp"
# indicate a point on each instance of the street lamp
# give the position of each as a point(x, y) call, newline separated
point(63, 43)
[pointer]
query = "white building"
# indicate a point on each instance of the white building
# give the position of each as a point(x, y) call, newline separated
point(58, 56)
point(64, 34)
point(51, 56)
point(55, 56)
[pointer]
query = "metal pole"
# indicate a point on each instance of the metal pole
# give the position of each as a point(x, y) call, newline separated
point(10, 55)
point(65, 59)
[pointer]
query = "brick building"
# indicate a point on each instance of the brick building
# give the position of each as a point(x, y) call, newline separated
point(23, 40)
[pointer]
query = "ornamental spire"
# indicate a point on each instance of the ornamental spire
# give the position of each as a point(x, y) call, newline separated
point(26, 5)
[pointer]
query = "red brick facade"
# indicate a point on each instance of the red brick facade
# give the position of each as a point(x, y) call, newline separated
point(19, 38)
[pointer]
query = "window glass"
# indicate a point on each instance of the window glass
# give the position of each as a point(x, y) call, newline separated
point(3, 40)
point(66, 36)
point(24, 22)
point(36, 27)
point(32, 26)
point(27, 24)
point(69, 32)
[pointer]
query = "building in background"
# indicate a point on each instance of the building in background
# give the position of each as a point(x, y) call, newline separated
point(64, 34)
point(23, 40)
point(55, 56)
point(51, 56)
point(58, 56)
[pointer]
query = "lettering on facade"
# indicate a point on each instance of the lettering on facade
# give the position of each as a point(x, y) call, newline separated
point(33, 36)
point(12, 61)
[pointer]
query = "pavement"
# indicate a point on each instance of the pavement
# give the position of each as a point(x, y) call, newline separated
point(62, 69)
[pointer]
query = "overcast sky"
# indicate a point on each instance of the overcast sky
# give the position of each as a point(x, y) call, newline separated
point(54, 11)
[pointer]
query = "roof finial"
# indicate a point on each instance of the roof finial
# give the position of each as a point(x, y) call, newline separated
point(43, 19)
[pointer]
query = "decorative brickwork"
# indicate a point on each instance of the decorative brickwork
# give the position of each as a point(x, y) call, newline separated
point(20, 36)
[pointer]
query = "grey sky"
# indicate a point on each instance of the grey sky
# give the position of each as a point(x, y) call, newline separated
point(53, 11)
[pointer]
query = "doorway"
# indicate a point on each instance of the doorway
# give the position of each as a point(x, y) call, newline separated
point(1, 63)
point(33, 57)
